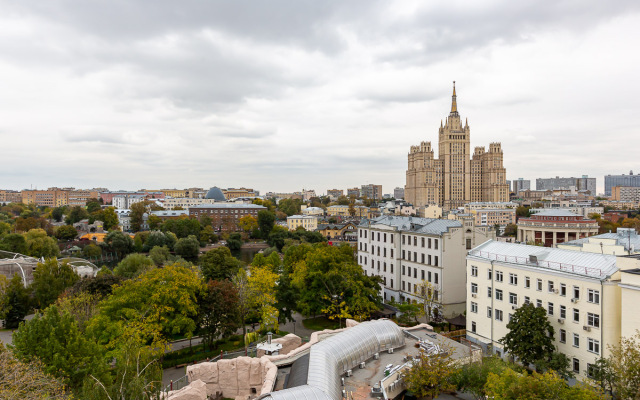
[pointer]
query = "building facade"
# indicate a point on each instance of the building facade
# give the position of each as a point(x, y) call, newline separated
point(573, 290)
point(10, 196)
point(521, 184)
point(623, 241)
point(584, 183)
point(551, 227)
point(405, 251)
point(629, 194)
point(225, 216)
point(308, 222)
point(371, 191)
point(455, 177)
point(55, 197)
point(398, 193)
point(107, 197)
point(610, 181)
point(335, 193)
point(185, 202)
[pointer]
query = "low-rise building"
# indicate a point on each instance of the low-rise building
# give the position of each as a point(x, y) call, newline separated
point(185, 202)
point(623, 241)
point(629, 294)
point(10, 196)
point(124, 220)
point(56, 197)
point(241, 192)
point(315, 211)
point(550, 227)
point(170, 214)
point(490, 205)
point(347, 231)
point(308, 222)
point(338, 211)
point(620, 205)
point(574, 289)
point(107, 197)
point(430, 211)
point(405, 251)
point(335, 193)
point(225, 216)
point(125, 202)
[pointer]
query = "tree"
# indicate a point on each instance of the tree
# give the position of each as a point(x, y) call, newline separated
point(16, 302)
point(20, 380)
point(136, 215)
point(262, 290)
point(510, 385)
point(93, 205)
point(92, 250)
point(530, 336)
point(234, 242)
point(158, 238)
point(409, 312)
point(154, 222)
point(218, 264)
point(14, 242)
point(162, 299)
point(248, 223)
point(511, 230)
point(266, 220)
point(54, 339)
point(188, 248)
point(182, 227)
point(66, 233)
point(472, 377)
point(352, 209)
point(558, 363)
point(523, 211)
point(76, 214)
point(133, 266)
point(159, 255)
point(109, 218)
point(58, 212)
point(50, 279)
point(429, 298)
point(624, 364)
point(430, 375)
point(39, 244)
point(218, 314)
point(100, 285)
point(120, 242)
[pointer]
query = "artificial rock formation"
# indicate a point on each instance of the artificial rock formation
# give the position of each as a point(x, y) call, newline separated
point(288, 343)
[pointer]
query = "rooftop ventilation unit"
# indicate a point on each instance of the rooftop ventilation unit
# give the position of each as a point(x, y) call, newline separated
point(349, 372)
point(533, 259)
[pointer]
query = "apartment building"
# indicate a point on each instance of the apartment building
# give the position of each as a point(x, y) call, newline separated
point(405, 251)
point(308, 222)
point(335, 193)
point(225, 216)
point(574, 288)
point(185, 202)
point(10, 196)
point(56, 197)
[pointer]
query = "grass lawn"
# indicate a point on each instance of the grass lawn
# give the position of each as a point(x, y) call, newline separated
point(320, 323)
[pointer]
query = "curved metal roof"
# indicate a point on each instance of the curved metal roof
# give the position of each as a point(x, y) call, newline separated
point(332, 357)
point(216, 194)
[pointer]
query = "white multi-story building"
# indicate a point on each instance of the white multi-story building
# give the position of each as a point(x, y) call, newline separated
point(405, 251)
point(124, 202)
point(579, 291)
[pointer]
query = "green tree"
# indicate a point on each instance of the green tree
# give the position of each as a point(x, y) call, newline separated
point(511, 230)
point(92, 250)
point(159, 255)
point(158, 238)
point(472, 377)
point(624, 366)
point(262, 291)
point(14, 242)
point(66, 233)
point(109, 218)
point(248, 223)
point(218, 264)
point(430, 300)
point(558, 363)
point(430, 375)
point(100, 285)
point(234, 242)
point(136, 215)
point(76, 214)
point(187, 248)
point(410, 312)
point(58, 212)
point(162, 300)
point(93, 205)
point(530, 336)
point(523, 211)
point(20, 380)
point(120, 242)
point(5, 228)
point(266, 220)
point(278, 236)
point(50, 279)
point(182, 227)
point(218, 314)
point(133, 266)
point(154, 222)
point(510, 385)
point(16, 303)
point(39, 244)
point(55, 339)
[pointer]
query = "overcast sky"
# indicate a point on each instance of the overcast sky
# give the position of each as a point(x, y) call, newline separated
point(284, 95)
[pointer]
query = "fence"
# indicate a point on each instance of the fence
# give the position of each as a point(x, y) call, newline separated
point(578, 269)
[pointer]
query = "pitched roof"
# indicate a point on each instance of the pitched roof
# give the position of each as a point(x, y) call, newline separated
point(414, 224)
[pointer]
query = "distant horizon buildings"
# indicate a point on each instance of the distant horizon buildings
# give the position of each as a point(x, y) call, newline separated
point(630, 180)
point(583, 183)
point(521, 184)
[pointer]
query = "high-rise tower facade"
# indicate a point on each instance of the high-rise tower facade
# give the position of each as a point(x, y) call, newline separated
point(455, 177)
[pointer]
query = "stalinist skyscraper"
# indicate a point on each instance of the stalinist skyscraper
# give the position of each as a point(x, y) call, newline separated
point(455, 178)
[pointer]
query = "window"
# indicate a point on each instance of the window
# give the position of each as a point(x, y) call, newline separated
point(415, 240)
point(429, 276)
point(593, 320)
point(593, 345)
point(422, 240)
point(391, 266)
point(409, 271)
point(435, 278)
point(435, 244)
point(385, 238)
point(513, 279)
point(403, 239)
point(415, 256)
point(563, 312)
point(468, 244)
point(473, 326)
point(489, 274)
point(403, 270)
point(498, 294)
point(429, 243)
point(474, 307)
point(563, 336)
point(513, 299)
point(474, 288)
point(422, 274)
point(576, 340)
point(539, 285)
point(591, 370)
point(527, 282)
point(474, 270)
point(488, 312)
point(391, 237)
point(378, 236)
point(429, 259)
point(576, 365)
point(403, 285)
point(391, 283)
point(527, 300)
point(489, 292)
point(593, 296)
point(550, 308)
point(576, 292)
point(498, 315)
point(498, 276)
point(563, 289)
point(550, 286)
point(576, 315)
point(538, 303)
point(435, 261)
point(415, 273)
point(422, 258)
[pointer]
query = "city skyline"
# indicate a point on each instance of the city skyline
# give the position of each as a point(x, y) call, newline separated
point(306, 94)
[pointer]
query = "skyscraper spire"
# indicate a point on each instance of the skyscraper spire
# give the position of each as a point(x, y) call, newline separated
point(454, 106)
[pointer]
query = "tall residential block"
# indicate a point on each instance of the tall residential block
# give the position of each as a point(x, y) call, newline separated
point(521, 184)
point(456, 177)
point(611, 181)
point(584, 183)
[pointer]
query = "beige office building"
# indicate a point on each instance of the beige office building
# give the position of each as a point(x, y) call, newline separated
point(308, 222)
point(579, 291)
point(455, 178)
